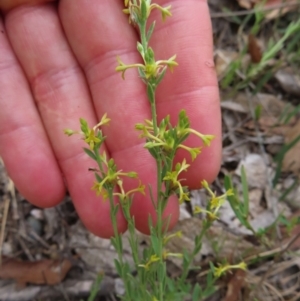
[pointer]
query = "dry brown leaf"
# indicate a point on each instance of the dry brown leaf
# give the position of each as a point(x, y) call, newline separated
point(254, 49)
point(235, 285)
point(248, 4)
point(289, 80)
point(272, 110)
point(291, 161)
point(256, 170)
point(46, 271)
point(223, 59)
point(280, 6)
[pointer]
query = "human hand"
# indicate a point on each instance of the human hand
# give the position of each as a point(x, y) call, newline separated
point(57, 64)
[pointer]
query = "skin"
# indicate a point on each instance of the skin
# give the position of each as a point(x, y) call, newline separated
point(57, 64)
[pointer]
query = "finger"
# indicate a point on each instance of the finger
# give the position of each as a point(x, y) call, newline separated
point(102, 34)
point(62, 97)
point(24, 145)
point(193, 86)
point(7, 5)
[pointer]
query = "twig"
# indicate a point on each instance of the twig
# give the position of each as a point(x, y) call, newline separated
point(3, 224)
point(25, 249)
point(280, 251)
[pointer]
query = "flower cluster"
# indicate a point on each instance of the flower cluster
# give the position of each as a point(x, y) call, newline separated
point(215, 202)
point(107, 176)
point(113, 178)
point(151, 71)
point(165, 142)
point(168, 138)
point(92, 136)
point(140, 10)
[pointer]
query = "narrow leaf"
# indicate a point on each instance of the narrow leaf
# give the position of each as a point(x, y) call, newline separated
point(245, 192)
point(150, 31)
point(90, 153)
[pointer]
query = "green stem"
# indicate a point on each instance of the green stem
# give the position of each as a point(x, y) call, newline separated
point(118, 241)
point(99, 162)
point(134, 246)
point(159, 165)
point(114, 224)
point(143, 35)
point(159, 207)
point(186, 267)
point(167, 185)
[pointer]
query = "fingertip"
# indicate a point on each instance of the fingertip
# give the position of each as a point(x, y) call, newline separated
point(34, 171)
point(7, 5)
point(41, 189)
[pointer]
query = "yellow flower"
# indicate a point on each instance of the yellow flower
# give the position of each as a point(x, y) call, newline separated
point(216, 201)
point(167, 254)
point(206, 139)
point(151, 70)
point(175, 183)
point(194, 151)
point(152, 259)
point(91, 139)
point(170, 236)
point(221, 269)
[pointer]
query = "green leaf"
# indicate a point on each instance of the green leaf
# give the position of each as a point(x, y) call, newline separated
point(186, 258)
point(153, 152)
point(95, 287)
point(280, 156)
point(115, 210)
point(150, 93)
point(144, 10)
point(84, 126)
point(245, 192)
point(142, 74)
point(118, 267)
point(198, 244)
point(197, 292)
point(150, 31)
point(161, 75)
point(230, 73)
point(161, 273)
point(140, 49)
point(183, 119)
point(154, 243)
point(98, 178)
point(90, 153)
point(257, 112)
point(234, 202)
point(239, 208)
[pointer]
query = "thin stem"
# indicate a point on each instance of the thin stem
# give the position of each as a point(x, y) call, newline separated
point(159, 207)
point(167, 188)
point(99, 162)
point(118, 241)
point(143, 35)
point(186, 267)
point(114, 224)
